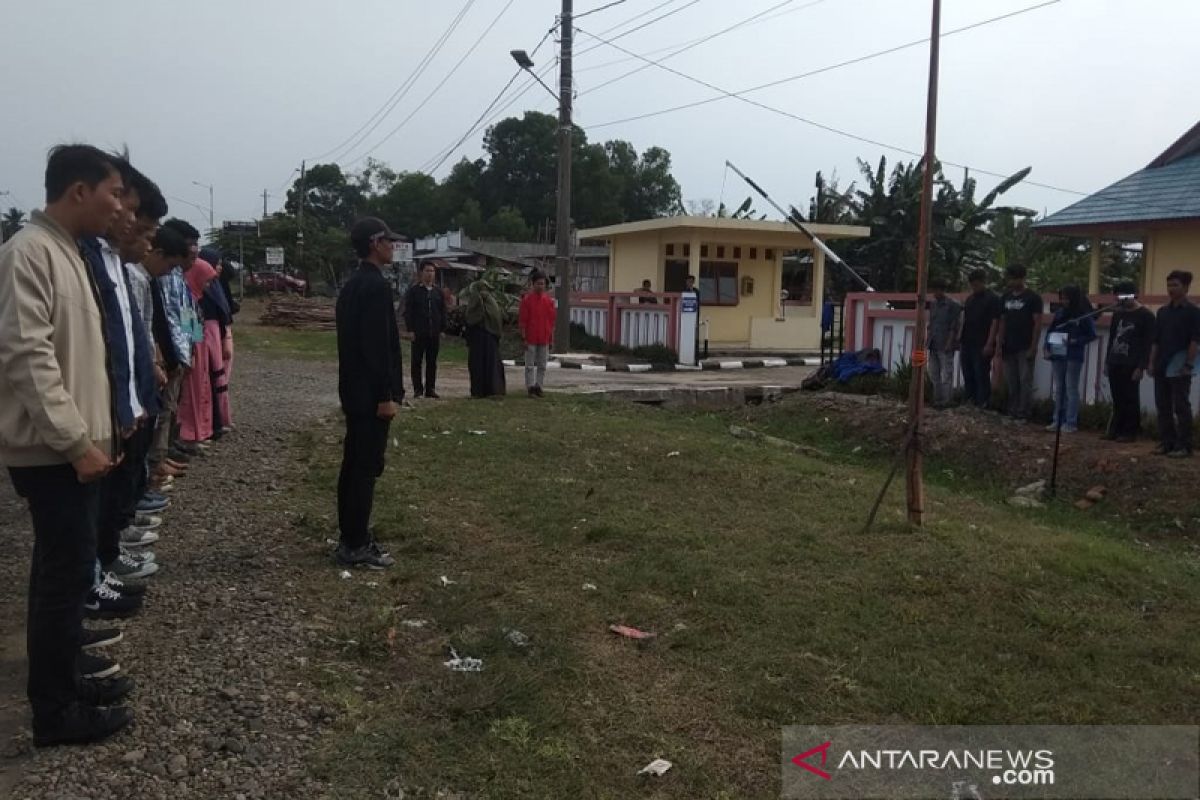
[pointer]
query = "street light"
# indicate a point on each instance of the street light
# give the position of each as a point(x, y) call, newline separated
point(526, 63)
point(211, 223)
point(562, 229)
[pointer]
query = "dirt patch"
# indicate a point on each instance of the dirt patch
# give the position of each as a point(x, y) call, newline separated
point(1151, 493)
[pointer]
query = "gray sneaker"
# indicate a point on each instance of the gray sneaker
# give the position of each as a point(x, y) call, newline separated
point(138, 537)
point(147, 521)
point(369, 556)
point(140, 556)
point(128, 568)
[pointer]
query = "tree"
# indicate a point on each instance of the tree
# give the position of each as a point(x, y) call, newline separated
point(508, 224)
point(14, 220)
point(411, 206)
point(329, 196)
point(890, 202)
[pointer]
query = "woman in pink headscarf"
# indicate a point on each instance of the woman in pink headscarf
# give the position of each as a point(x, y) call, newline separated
point(196, 396)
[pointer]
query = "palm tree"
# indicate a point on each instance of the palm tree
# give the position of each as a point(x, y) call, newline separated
point(13, 221)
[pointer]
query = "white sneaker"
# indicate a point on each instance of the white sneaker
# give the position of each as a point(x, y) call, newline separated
point(138, 537)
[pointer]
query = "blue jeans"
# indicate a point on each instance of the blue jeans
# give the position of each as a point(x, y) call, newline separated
point(977, 376)
point(1066, 386)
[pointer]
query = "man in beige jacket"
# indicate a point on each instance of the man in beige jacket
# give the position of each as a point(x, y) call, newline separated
point(57, 431)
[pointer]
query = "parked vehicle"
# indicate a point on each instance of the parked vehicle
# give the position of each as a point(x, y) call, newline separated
point(276, 282)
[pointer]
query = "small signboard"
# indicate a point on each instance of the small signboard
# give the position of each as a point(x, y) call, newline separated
point(691, 303)
point(240, 226)
point(274, 256)
point(402, 253)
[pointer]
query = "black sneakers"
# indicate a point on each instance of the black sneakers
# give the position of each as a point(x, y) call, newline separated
point(105, 692)
point(80, 723)
point(96, 667)
point(93, 639)
point(369, 556)
point(103, 602)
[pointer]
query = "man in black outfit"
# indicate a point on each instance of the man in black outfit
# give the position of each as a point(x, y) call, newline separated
point(981, 324)
point(1172, 359)
point(1130, 337)
point(370, 386)
point(425, 317)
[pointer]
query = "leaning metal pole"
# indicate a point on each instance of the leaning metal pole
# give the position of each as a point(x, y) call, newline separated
point(793, 216)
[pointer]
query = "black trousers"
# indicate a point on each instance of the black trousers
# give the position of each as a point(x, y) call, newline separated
point(120, 492)
point(425, 347)
point(1127, 406)
point(362, 462)
point(64, 513)
point(1172, 399)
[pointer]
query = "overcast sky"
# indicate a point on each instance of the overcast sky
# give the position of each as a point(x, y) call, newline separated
point(235, 94)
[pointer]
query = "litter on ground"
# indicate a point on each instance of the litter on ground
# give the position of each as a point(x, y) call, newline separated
point(658, 767)
point(630, 633)
point(446, 581)
point(346, 575)
point(459, 663)
point(516, 638)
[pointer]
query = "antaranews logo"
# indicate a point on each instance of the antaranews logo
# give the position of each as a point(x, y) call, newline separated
point(1003, 762)
point(1004, 767)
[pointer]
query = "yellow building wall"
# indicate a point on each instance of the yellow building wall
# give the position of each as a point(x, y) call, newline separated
point(793, 332)
point(1167, 250)
point(753, 321)
point(633, 259)
point(730, 325)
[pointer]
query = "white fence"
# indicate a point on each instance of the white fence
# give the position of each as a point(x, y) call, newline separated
point(870, 323)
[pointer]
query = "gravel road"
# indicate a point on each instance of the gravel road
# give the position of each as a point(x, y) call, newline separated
point(218, 647)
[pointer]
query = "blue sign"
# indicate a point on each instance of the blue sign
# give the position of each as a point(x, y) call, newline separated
point(691, 304)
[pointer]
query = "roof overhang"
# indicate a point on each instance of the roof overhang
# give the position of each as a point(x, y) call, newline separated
point(712, 227)
point(1132, 230)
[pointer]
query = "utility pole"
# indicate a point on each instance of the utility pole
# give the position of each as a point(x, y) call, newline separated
point(265, 195)
point(563, 231)
point(300, 225)
point(914, 458)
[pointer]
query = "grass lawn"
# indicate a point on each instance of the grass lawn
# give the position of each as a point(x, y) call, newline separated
point(771, 608)
point(321, 345)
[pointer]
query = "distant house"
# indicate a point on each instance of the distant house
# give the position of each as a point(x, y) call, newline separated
point(458, 256)
point(761, 283)
point(1158, 207)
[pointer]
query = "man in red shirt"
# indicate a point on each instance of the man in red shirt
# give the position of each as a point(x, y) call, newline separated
point(537, 329)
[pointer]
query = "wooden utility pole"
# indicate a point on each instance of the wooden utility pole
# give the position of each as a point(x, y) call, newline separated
point(563, 231)
point(914, 457)
point(300, 224)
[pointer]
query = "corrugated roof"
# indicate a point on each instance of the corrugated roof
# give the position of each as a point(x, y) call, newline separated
point(1155, 194)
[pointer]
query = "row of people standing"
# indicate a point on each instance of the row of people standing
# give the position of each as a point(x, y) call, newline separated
point(96, 341)
point(1140, 344)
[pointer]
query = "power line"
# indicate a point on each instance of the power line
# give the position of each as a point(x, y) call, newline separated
point(471, 130)
point(705, 39)
point(470, 51)
point(601, 8)
point(689, 42)
point(443, 155)
point(725, 94)
point(401, 90)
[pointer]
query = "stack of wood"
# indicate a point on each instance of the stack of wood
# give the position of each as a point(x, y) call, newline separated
point(299, 313)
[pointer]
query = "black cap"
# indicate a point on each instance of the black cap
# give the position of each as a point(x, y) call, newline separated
point(368, 229)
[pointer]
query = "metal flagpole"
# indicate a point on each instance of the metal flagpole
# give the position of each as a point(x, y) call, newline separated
point(795, 218)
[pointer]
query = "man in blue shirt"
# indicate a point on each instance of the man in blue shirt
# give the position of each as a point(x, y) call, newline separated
point(180, 315)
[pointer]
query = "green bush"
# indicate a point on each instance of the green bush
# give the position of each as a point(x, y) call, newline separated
point(583, 341)
point(656, 354)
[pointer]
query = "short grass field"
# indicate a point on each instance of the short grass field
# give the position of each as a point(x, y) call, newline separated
point(771, 607)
